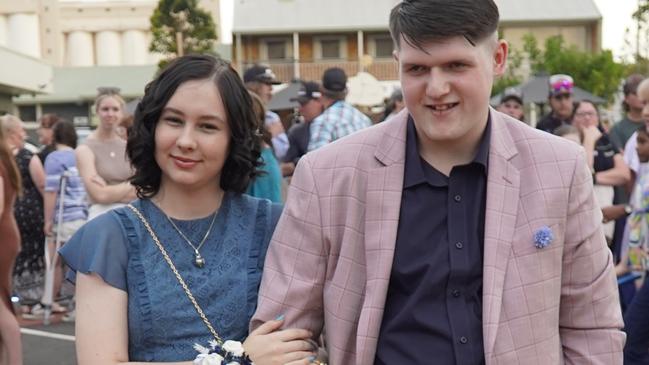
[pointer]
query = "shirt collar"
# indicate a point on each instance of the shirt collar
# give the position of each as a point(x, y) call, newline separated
point(414, 173)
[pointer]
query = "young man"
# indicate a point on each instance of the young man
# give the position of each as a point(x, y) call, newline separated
point(260, 80)
point(299, 134)
point(622, 130)
point(511, 104)
point(452, 233)
point(339, 118)
point(561, 103)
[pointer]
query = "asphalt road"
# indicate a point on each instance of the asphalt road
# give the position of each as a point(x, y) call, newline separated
point(48, 345)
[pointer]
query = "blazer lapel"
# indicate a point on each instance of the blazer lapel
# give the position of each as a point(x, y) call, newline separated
point(503, 185)
point(382, 205)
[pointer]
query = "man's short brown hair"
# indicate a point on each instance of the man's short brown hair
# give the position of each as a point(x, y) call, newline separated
point(422, 21)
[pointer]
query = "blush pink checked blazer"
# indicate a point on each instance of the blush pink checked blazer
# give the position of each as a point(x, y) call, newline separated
point(328, 264)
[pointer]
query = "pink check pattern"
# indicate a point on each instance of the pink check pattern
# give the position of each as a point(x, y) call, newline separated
point(328, 265)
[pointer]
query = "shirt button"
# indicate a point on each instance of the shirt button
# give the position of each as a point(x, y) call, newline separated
point(457, 198)
point(463, 340)
point(456, 293)
point(459, 245)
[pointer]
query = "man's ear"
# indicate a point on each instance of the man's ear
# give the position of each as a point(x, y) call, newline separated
point(500, 57)
point(395, 55)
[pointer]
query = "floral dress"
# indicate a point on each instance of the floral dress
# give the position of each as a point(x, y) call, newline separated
point(28, 211)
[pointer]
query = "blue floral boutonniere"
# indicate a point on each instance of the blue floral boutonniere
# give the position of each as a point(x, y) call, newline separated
point(543, 237)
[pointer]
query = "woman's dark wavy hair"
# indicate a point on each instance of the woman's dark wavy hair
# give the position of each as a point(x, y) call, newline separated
point(241, 164)
point(64, 133)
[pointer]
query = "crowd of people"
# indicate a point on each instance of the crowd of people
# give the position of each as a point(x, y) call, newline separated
point(450, 230)
point(616, 159)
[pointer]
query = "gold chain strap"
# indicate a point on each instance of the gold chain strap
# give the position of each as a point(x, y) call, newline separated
point(177, 274)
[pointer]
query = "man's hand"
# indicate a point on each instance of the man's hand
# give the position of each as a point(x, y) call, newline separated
point(613, 212)
point(287, 168)
point(275, 129)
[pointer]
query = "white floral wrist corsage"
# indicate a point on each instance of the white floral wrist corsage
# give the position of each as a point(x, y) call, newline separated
point(230, 353)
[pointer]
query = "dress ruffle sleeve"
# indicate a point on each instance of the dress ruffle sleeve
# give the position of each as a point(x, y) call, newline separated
point(99, 247)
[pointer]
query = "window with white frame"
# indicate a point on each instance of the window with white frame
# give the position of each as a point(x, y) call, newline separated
point(380, 46)
point(330, 48)
point(276, 49)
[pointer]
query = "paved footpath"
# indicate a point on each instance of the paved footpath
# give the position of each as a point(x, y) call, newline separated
point(48, 345)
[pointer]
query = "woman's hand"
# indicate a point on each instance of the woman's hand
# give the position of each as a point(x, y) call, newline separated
point(591, 134)
point(47, 228)
point(268, 345)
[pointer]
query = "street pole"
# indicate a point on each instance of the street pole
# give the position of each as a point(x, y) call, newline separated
point(179, 44)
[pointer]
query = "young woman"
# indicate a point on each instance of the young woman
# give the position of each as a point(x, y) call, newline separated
point(102, 158)
point(62, 164)
point(10, 184)
point(269, 184)
point(192, 243)
point(44, 131)
point(603, 158)
point(606, 163)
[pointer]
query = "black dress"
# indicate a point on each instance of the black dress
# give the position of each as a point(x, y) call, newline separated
point(28, 211)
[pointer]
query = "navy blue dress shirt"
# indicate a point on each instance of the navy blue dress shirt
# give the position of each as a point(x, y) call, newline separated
point(433, 310)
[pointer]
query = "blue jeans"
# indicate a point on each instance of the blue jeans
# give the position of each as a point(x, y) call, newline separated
point(636, 323)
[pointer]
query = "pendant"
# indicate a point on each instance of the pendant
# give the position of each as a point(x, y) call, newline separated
point(199, 261)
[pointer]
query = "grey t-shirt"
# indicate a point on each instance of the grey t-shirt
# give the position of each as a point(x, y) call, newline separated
point(622, 131)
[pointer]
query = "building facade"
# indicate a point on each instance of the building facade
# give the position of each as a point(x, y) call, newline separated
point(81, 33)
point(84, 45)
point(302, 38)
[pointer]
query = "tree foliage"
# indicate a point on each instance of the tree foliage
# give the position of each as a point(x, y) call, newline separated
point(510, 78)
point(640, 66)
point(183, 19)
point(596, 73)
point(641, 16)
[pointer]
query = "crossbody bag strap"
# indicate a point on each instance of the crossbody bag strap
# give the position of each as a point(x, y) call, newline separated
point(176, 273)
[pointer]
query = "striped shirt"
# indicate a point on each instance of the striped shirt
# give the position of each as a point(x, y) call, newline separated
point(57, 164)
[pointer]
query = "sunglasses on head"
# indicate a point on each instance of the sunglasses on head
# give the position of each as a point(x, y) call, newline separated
point(562, 96)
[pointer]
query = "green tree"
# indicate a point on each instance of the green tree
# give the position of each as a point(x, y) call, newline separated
point(639, 46)
point(510, 78)
point(534, 54)
point(641, 16)
point(180, 27)
point(597, 73)
point(640, 66)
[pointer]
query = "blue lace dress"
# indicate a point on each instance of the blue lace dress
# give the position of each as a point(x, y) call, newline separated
point(162, 323)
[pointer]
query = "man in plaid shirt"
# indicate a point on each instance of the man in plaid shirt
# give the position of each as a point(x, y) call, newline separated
point(339, 118)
